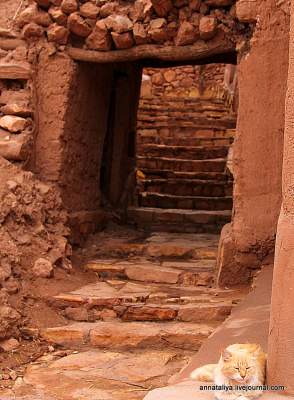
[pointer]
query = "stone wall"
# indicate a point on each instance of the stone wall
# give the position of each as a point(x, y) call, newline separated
point(16, 89)
point(186, 81)
point(33, 222)
point(104, 25)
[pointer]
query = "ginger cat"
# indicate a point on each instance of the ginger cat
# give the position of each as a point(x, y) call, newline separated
point(239, 365)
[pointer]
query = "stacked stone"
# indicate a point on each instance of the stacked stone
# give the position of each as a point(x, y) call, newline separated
point(15, 98)
point(104, 25)
point(182, 81)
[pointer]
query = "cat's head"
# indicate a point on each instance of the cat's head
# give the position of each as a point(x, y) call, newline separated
point(241, 364)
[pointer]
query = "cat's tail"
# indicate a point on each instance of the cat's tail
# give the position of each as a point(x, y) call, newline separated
point(204, 374)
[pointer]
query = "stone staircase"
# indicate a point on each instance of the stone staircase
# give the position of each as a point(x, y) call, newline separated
point(182, 148)
point(152, 305)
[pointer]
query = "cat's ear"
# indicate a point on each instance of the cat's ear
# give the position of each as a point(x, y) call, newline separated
point(226, 355)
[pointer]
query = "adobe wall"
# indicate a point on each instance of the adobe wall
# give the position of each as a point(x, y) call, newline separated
point(70, 137)
point(86, 113)
point(281, 332)
point(257, 154)
point(258, 147)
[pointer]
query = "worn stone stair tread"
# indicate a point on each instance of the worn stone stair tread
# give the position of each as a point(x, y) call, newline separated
point(175, 220)
point(187, 175)
point(176, 115)
point(115, 265)
point(108, 294)
point(166, 195)
point(187, 107)
point(161, 245)
point(95, 374)
point(195, 312)
point(180, 164)
point(191, 152)
point(146, 271)
point(186, 124)
point(207, 103)
point(221, 159)
point(176, 180)
point(119, 335)
point(196, 132)
point(169, 201)
point(187, 187)
point(181, 212)
point(114, 292)
point(179, 147)
point(186, 141)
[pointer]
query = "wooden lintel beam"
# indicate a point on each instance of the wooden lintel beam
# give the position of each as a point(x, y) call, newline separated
point(197, 51)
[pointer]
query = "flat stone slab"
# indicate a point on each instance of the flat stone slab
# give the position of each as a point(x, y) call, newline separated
point(195, 272)
point(117, 335)
point(96, 375)
point(160, 245)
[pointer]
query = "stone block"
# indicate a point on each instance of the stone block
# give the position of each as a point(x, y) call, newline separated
point(89, 10)
point(162, 7)
point(246, 11)
point(122, 40)
point(58, 34)
point(13, 124)
point(78, 25)
point(149, 313)
point(100, 38)
point(207, 27)
point(152, 273)
point(69, 6)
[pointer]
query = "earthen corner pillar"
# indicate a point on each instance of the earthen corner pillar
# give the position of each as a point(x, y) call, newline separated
point(281, 333)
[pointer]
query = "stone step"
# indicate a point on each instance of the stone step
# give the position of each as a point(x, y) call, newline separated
point(184, 103)
point(204, 102)
point(182, 165)
point(163, 245)
point(117, 335)
point(167, 122)
point(184, 114)
point(168, 106)
point(209, 101)
point(184, 141)
point(197, 272)
point(187, 132)
point(189, 187)
point(130, 301)
point(158, 200)
point(95, 374)
point(179, 175)
point(182, 152)
point(176, 220)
